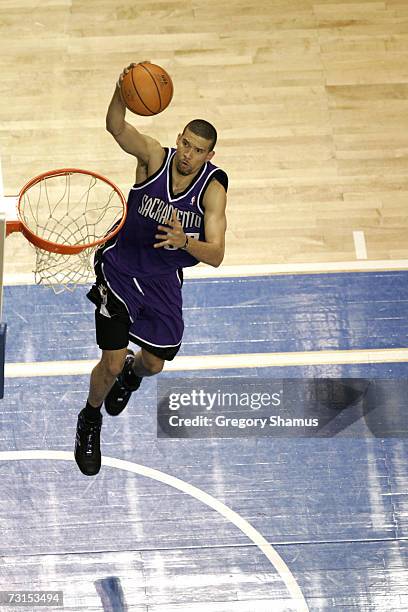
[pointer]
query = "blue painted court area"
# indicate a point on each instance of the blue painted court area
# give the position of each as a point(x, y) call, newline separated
point(335, 510)
point(223, 316)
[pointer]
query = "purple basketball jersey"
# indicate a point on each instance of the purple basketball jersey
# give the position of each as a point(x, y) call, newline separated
point(150, 204)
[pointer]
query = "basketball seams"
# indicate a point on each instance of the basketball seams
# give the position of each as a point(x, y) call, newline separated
point(155, 84)
point(149, 91)
point(138, 94)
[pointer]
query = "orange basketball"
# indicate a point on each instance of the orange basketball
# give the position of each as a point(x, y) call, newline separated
point(147, 89)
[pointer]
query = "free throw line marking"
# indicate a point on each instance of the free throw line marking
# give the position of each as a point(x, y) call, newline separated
point(218, 362)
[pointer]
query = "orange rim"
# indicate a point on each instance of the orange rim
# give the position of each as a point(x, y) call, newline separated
point(54, 247)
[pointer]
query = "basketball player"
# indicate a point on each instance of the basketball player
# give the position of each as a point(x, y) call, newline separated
point(176, 218)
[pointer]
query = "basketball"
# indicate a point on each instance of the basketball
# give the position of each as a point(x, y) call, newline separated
point(147, 89)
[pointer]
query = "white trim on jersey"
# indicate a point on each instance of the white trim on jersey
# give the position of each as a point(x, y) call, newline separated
point(155, 176)
point(138, 286)
point(184, 193)
point(178, 276)
point(110, 247)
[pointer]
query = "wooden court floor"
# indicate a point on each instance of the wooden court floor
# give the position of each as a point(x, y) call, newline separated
point(309, 99)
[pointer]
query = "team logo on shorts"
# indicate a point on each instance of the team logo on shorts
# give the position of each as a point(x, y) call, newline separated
point(103, 292)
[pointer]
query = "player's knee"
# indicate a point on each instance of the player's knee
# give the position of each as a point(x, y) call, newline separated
point(152, 364)
point(154, 368)
point(114, 369)
point(157, 368)
point(113, 364)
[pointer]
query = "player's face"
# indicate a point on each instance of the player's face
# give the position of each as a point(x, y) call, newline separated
point(192, 152)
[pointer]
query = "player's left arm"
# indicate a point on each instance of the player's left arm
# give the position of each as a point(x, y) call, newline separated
point(211, 251)
point(215, 223)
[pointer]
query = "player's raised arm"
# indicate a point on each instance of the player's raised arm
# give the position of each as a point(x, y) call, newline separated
point(128, 137)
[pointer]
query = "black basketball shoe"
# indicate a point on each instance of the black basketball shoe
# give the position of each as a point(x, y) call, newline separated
point(123, 387)
point(87, 445)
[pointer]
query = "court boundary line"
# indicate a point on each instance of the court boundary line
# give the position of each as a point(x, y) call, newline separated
point(233, 517)
point(360, 245)
point(248, 270)
point(184, 363)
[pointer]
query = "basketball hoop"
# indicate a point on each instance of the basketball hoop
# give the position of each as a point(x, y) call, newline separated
point(66, 215)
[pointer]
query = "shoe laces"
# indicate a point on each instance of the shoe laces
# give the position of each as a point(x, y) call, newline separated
point(92, 430)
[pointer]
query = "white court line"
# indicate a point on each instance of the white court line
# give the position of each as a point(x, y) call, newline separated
point(360, 245)
point(218, 362)
point(298, 600)
point(262, 270)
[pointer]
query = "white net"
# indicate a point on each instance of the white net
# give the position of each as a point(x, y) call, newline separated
point(69, 209)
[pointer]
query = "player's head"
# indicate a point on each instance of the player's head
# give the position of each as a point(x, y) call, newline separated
point(203, 128)
point(195, 146)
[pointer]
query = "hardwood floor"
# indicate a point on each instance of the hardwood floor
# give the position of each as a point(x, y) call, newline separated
point(309, 99)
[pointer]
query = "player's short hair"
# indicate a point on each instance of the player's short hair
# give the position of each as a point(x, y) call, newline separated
point(202, 128)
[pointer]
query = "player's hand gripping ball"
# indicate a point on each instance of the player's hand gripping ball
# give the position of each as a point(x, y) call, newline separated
point(146, 88)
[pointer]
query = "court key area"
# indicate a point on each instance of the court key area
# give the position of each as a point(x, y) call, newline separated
point(241, 523)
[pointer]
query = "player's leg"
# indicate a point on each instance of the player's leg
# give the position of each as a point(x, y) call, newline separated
point(104, 375)
point(136, 367)
point(112, 335)
point(147, 364)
